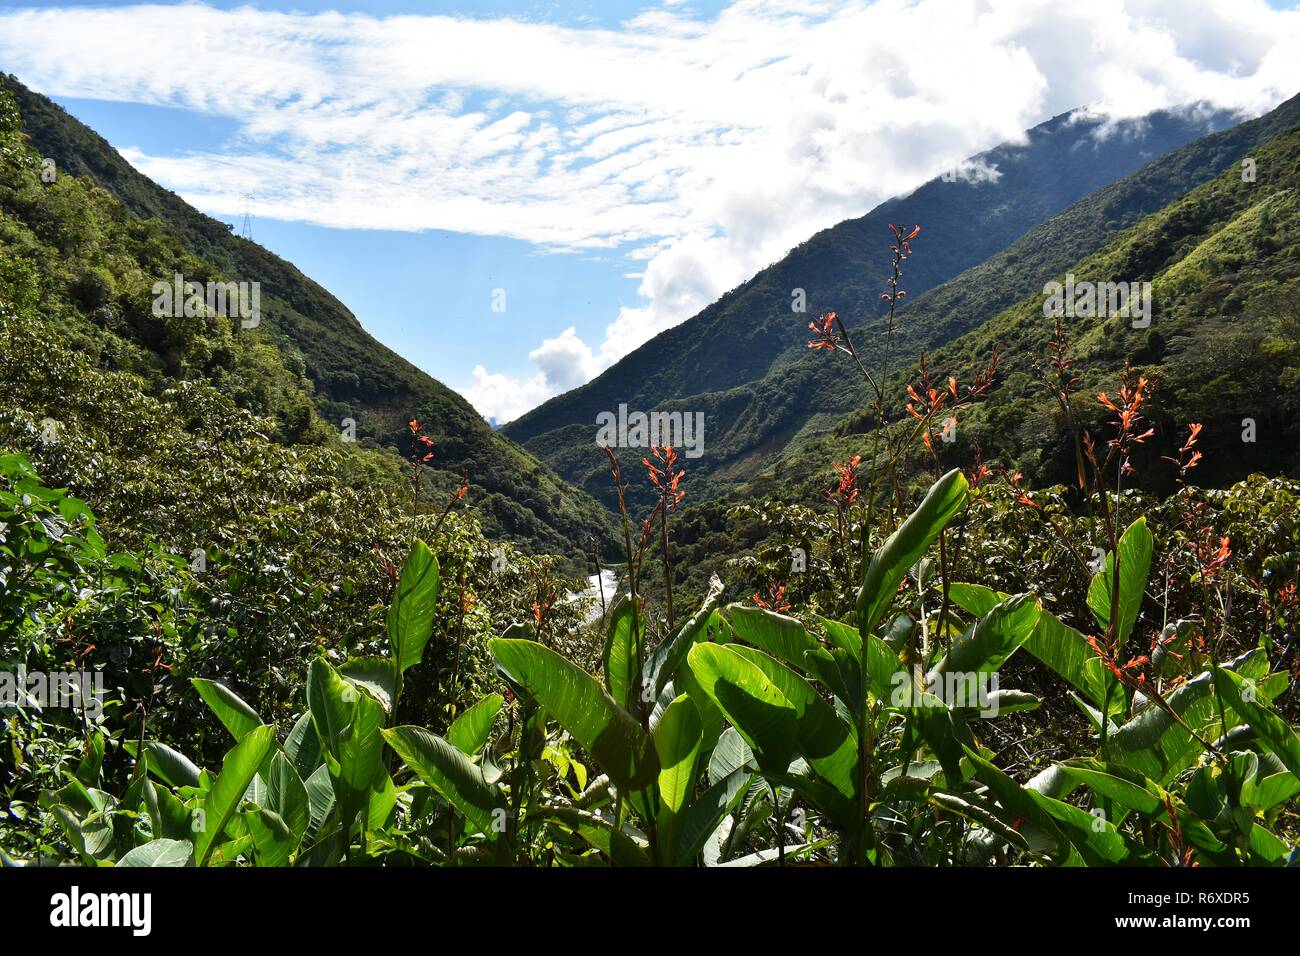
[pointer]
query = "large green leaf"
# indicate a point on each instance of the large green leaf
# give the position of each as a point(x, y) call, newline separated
point(1118, 784)
point(361, 753)
point(446, 769)
point(755, 706)
point(1134, 566)
point(287, 795)
point(1056, 644)
point(1159, 747)
point(730, 754)
point(890, 564)
point(332, 704)
point(702, 817)
point(469, 732)
point(302, 747)
point(608, 732)
point(883, 668)
point(622, 638)
point(996, 636)
point(237, 771)
point(1021, 809)
point(170, 818)
point(1244, 696)
point(780, 636)
point(273, 841)
point(410, 615)
point(842, 636)
point(678, 743)
point(160, 852)
point(235, 715)
point(348, 720)
point(170, 766)
point(826, 742)
point(668, 656)
point(376, 675)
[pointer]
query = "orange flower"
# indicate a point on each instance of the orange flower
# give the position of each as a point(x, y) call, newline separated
point(776, 599)
point(664, 476)
point(826, 339)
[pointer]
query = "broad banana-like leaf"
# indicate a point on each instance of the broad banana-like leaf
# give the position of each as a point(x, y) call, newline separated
point(996, 636)
point(410, 615)
point(170, 818)
point(826, 742)
point(1244, 696)
point(321, 801)
point(469, 732)
point(235, 715)
point(755, 706)
point(237, 771)
point(678, 743)
point(842, 636)
point(902, 549)
point(162, 852)
point(446, 769)
point(1056, 644)
point(668, 656)
point(608, 732)
point(730, 754)
point(1119, 785)
point(1134, 566)
point(348, 720)
point(167, 764)
point(782, 637)
point(706, 814)
point(377, 675)
point(302, 747)
point(287, 794)
point(623, 635)
point(1156, 745)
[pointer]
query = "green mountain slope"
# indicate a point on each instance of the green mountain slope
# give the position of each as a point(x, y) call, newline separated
point(801, 399)
point(315, 365)
point(1222, 347)
point(738, 361)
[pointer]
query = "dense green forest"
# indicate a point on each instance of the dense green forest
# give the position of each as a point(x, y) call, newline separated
point(743, 361)
point(1063, 637)
point(85, 252)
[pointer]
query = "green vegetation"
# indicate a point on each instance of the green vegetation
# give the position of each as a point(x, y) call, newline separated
point(85, 252)
point(289, 650)
point(744, 361)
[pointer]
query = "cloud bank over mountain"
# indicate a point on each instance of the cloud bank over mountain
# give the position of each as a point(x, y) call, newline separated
point(684, 145)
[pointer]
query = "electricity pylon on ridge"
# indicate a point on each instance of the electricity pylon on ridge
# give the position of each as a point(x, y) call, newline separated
point(246, 229)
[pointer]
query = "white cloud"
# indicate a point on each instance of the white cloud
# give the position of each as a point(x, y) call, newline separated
point(705, 148)
point(566, 362)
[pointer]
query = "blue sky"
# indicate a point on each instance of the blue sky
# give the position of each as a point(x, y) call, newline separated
point(428, 295)
point(612, 166)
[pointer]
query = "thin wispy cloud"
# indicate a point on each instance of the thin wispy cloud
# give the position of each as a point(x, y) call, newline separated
point(700, 150)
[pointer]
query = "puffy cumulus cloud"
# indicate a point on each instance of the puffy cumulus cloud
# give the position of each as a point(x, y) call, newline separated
point(563, 362)
point(700, 148)
point(501, 398)
point(566, 362)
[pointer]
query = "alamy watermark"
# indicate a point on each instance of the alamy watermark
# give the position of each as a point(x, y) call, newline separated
point(59, 689)
point(953, 689)
point(626, 429)
point(1084, 299)
point(180, 298)
point(133, 911)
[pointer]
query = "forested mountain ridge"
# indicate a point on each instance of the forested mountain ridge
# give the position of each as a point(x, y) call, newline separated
point(1222, 349)
point(327, 369)
point(738, 361)
point(771, 419)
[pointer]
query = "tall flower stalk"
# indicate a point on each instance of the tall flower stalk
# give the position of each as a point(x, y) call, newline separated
point(666, 477)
